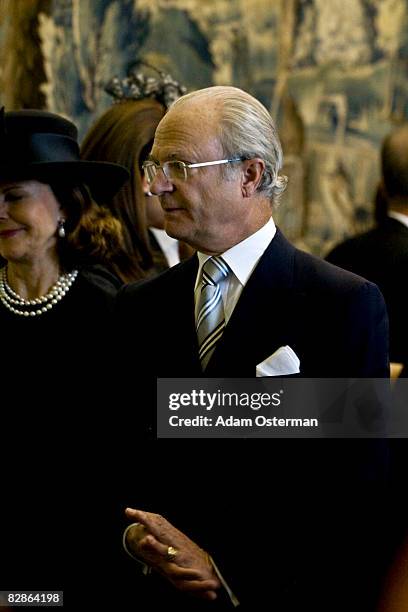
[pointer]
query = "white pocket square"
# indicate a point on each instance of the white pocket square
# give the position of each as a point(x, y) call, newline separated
point(282, 362)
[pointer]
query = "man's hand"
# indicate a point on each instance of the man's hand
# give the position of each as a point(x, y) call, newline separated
point(190, 570)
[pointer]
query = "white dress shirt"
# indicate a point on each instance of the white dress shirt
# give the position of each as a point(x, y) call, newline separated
point(169, 246)
point(242, 259)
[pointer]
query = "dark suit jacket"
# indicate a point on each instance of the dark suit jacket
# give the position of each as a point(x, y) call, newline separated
point(381, 255)
point(335, 321)
point(289, 522)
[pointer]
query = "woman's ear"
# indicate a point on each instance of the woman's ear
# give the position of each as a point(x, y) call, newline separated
point(253, 170)
point(61, 227)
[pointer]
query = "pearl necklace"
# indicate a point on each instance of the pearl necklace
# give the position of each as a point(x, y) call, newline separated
point(18, 305)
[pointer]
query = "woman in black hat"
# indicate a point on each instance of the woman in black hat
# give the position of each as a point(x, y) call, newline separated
point(50, 226)
point(55, 356)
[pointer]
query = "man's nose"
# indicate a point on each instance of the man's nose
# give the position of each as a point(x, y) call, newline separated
point(160, 183)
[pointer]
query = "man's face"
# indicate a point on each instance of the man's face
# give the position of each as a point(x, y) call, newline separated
point(207, 210)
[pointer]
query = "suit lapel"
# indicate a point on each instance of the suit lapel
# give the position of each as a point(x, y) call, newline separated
point(263, 319)
point(180, 324)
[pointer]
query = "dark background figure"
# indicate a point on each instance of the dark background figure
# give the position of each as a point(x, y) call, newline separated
point(124, 134)
point(381, 254)
point(380, 204)
point(291, 524)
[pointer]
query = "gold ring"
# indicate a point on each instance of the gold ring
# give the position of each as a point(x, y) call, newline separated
point(171, 553)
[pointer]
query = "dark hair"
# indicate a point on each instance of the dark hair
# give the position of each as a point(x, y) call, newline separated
point(124, 134)
point(394, 159)
point(381, 204)
point(93, 234)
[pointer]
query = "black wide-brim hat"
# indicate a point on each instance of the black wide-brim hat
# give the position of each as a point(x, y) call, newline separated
point(38, 145)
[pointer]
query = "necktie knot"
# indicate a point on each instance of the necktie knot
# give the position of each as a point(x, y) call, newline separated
point(214, 270)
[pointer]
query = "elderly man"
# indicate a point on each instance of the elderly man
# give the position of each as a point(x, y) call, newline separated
point(247, 298)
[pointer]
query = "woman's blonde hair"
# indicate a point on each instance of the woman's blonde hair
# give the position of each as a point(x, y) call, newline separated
point(124, 134)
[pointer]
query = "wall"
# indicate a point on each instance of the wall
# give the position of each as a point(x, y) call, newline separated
point(334, 74)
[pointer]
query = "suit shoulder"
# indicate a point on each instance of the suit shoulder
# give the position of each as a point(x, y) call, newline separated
point(356, 244)
point(152, 286)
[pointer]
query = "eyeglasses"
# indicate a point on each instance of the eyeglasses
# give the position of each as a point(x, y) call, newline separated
point(178, 170)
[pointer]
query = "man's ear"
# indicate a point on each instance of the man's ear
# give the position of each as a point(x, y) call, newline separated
point(253, 170)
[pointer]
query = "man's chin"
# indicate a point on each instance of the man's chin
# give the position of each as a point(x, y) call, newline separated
point(173, 229)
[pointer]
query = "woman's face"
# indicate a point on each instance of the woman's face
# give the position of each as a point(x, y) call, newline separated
point(154, 211)
point(29, 215)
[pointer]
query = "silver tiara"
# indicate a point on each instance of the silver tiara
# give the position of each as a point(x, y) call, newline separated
point(138, 85)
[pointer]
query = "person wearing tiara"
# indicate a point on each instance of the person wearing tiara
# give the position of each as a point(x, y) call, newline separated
point(55, 316)
point(124, 134)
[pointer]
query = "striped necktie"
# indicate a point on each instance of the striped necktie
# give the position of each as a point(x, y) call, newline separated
point(210, 318)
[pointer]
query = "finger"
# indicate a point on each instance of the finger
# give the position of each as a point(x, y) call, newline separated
point(134, 513)
point(155, 523)
point(180, 574)
point(209, 595)
point(196, 586)
point(155, 553)
point(135, 533)
point(153, 545)
point(151, 551)
point(148, 549)
point(205, 595)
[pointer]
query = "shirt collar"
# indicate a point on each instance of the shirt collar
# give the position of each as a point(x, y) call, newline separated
point(398, 216)
point(243, 257)
point(166, 242)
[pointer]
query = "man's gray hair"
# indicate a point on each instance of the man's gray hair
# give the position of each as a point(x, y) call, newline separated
point(246, 129)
